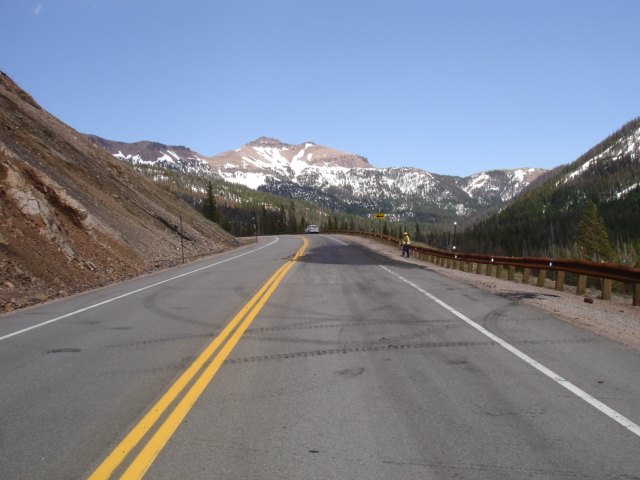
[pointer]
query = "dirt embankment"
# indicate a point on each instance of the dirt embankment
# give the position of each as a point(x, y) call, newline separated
point(74, 217)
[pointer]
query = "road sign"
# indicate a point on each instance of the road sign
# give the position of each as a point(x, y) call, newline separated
point(379, 216)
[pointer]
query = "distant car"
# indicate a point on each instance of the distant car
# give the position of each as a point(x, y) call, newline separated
point(312, 229)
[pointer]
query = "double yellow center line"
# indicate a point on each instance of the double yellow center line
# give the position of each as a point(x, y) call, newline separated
point(190, 385)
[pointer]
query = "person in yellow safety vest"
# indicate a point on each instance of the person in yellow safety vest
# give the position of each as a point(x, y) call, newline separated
point(406, 242)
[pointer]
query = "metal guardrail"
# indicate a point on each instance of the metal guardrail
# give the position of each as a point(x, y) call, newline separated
point(606, 271)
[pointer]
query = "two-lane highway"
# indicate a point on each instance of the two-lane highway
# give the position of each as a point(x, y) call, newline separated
point(337, 363)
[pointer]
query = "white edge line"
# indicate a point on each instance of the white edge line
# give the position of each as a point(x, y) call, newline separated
point(621, 419)
point(130, 293)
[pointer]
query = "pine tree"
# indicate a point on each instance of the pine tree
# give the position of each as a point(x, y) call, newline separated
point(209, 208)
point(591, 236)
point(292, 225)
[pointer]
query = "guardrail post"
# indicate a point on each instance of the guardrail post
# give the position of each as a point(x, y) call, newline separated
point(525, 275)
point(582, 285)
point(462, 265)
point(478, 268)
point(542, 275)
point(489, 269)
point(606, 288)
point(560, 276)
point(499, 270)
point(512, 272)
point(636, 294)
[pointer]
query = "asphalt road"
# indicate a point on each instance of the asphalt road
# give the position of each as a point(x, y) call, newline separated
point(338, 363)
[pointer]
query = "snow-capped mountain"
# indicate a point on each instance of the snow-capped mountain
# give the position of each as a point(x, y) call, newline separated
point(177, 158)
point(335, 179)
point(299, 170)
point(266, 158)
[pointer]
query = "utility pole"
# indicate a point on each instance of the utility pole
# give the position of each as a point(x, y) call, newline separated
point(181, 239)
point(255, 228)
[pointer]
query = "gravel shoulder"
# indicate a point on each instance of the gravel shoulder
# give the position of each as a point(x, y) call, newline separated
point(616, 319)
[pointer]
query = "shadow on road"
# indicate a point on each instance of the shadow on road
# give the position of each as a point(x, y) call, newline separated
point(353, 254)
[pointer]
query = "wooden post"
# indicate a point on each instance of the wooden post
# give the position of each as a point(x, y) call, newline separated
point(560, 280)
point(582, 285)
point(462, 265)
point(499, 270)
point(512, 272)
point(636, 294)
point(489, 269)
point(525, 275)
point(478, 268)
point(542, 274)
point(606, 288)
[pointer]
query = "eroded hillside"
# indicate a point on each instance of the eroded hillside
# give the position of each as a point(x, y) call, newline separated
point(74, 217)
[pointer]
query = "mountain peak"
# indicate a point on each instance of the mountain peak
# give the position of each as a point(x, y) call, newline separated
point(267, 142)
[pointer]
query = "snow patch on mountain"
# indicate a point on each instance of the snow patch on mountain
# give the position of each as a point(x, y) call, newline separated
point(625, 146)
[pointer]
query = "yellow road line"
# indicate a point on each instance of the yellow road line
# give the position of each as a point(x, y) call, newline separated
point(145, 458)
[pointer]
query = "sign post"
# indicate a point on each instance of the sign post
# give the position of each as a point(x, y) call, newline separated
point(379, 216)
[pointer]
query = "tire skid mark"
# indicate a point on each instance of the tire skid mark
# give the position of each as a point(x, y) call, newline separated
point(373, 348)
point(161, 340)
point(347, 324)
point(384, 340)
point(177, 367)
point(338, 350)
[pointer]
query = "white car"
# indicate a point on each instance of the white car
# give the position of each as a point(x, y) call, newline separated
point(312, 229)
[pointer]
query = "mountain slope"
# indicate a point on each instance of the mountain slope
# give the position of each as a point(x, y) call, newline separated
point(546, 216)
point(73, 216)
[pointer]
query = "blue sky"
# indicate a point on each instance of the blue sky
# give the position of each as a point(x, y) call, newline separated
point(451, 86)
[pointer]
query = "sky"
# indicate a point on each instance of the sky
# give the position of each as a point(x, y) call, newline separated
point(453, 87)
